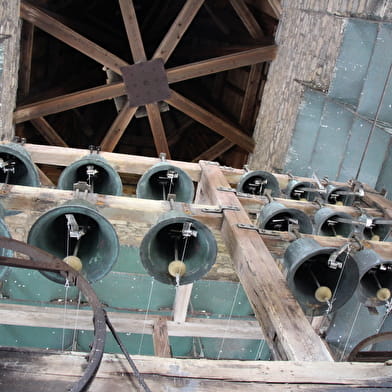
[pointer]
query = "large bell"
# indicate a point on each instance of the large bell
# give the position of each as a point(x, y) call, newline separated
point(96, 172)
point(258, 182)
point(332, 223)
point(77, 233)
point(301, 190)
point(275, 216)
point(164, 179)
point(322, 279)
point(16, 166)
point(178, 249)
point(340, 195)
point(375, 284)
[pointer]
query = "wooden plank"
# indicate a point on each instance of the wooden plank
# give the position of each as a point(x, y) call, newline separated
point(222, 63)
point(133, 32)
point(280, 372)
point(181, 302)
point(68, 101)
point(215, 151)
point(158, 131)
point(280, 316)
point(53, 27)
point(178, 29)
point(247, 19)
point(138, 323)
point(118, 128)
point(48, 132)
point(250, 96)
point(211, 121)
point(276, 7)
point(160, 338)
point(26, 50)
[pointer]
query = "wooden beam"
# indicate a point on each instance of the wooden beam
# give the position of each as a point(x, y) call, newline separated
point(26, 50)
point(248, 19)
point(264, 6)
point(53, 27)
point(177, 29)
point(222, 63)
point(158, 131)
point(287, 331)
point(160, 338)
point(118, 128)
point(44, 179)
point(276, 7)
point(181, 302)
point(319, 375)
point(133, 32)
point(250, 96)
point(215, 151)
point(211, 121)
point(68, 101)
point(48, 132)
point(138, 323)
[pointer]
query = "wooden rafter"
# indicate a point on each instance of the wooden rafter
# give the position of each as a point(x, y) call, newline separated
point(118, 128)
point(248, 19)
point(55, 28)
point(283, 322)
point(221, 63)
point(68, 101)
point(26, 49)
point(211, 121)
point(215, 151)
point(177, 29)
point(276, 7)
point(48, 132)
point(158, 131)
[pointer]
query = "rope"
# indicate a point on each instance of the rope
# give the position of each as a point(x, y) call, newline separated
point(146, 314)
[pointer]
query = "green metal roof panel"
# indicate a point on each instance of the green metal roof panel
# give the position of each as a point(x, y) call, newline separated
point(352, 64)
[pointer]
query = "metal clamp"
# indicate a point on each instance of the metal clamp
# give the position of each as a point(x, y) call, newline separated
point(94, 149)
point(219, 210)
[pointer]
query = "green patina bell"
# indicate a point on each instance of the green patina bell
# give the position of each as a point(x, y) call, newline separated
point(16, 166)
point(77, 229)
point(163, 179)
point(94, 170)
point(259, 182)
point(178, 249)
point(4, 233)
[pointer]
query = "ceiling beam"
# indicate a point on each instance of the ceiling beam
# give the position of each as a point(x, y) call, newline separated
point(285, 327)
point(118, 128)
point(215, 123)
point(52, 317)
point(133, 32)
point(178, 29)
point(48, 132)
point(222, 63)
point(276, 6)
point(68, 101)
point(55, 28)
point(248, 19)
point(215, 151)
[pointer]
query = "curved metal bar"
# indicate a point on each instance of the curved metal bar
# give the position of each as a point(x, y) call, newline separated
point(380, 337)
point(44, 260)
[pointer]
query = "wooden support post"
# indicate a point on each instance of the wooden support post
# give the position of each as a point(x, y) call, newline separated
point(53, 27)
point(181, 302)
point(287, 331)
point(160, 338)
point(26, 50)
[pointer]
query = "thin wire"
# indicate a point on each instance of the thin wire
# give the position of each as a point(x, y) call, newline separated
point(65, 312)
point(260, 349)
point(76, 323)
point(388, 310)
point(228, 321)
point(375, 121)
point(145, 316)
point(351, 332)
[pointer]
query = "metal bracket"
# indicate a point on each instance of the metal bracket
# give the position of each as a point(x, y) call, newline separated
point(219, 210)
point(19, 140)
point(94, 149)
point(226, 189)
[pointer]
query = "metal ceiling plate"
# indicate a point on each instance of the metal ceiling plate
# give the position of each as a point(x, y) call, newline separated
point(146, 82)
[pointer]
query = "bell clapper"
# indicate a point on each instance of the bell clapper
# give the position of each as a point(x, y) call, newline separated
point(322, 293)
point(383, 293)
point(74, 231)
point(91, 172)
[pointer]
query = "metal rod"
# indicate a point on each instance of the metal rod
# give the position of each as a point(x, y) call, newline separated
point(375, 121)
